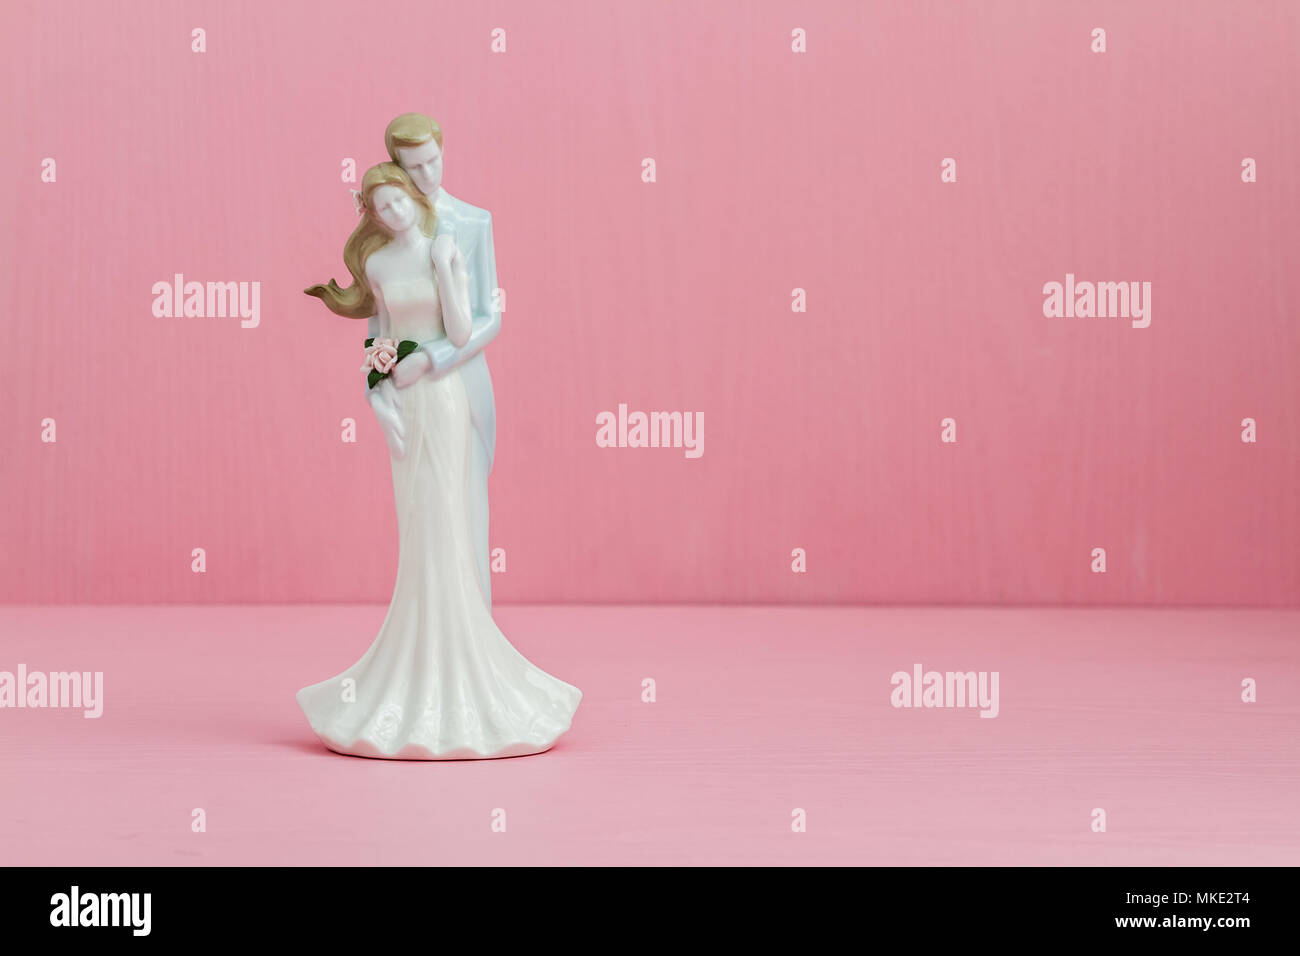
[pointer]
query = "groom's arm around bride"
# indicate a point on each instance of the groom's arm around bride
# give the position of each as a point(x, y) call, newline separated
point(471, 230)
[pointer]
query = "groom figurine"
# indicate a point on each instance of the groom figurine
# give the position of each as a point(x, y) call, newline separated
point(414, 142)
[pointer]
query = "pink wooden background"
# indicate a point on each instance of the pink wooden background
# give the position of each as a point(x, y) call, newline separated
point(775, 171)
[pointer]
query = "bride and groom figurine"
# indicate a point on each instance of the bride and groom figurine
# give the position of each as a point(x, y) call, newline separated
point(440, 681)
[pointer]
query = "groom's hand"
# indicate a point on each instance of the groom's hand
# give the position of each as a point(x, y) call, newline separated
point(409, 369)
point(383, 401)
point(444, 248)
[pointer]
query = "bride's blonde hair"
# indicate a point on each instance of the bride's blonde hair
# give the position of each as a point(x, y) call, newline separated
point(357, 301)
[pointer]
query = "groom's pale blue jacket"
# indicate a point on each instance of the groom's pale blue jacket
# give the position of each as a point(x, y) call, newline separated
point(471, 229)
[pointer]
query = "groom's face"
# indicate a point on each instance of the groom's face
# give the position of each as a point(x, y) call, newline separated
point(424, 163)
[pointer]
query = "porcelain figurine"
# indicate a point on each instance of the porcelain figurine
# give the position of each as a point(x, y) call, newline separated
point(440, 681)
point(414, 142)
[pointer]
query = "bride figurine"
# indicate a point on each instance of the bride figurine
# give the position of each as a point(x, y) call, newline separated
point(440, 681)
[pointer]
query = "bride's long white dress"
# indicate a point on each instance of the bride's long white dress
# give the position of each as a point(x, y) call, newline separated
point(440, 681)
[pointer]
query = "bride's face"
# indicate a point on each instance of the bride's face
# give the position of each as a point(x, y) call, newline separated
point(424, 163)
point(394, 208)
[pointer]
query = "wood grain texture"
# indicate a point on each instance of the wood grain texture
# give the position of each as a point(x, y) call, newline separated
point(759, 711)
point(776, 171)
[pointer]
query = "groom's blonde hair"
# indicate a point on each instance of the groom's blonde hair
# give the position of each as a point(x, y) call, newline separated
point(411, 129)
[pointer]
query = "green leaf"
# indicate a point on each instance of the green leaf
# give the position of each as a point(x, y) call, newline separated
point(370, 341)
point(373, 378)
point(405, 348)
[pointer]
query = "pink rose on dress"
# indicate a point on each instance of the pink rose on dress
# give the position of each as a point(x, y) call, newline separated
point(381, 356)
